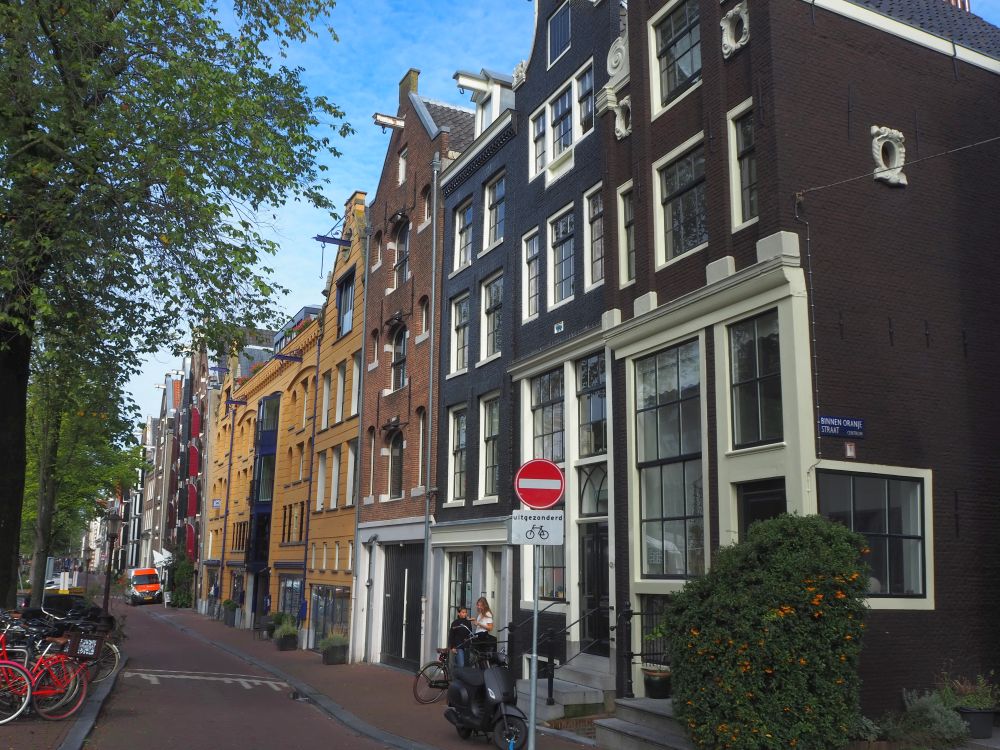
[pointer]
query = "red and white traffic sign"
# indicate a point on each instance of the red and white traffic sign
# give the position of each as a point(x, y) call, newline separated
point(539, 483)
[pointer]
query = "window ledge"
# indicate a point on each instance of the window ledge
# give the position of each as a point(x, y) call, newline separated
point(560, 166)
point(372, 366)
point(488, 359)
point(368, 500)
point(630, 282)
point(682, 256)
point(421, 338)
point(423, 226)
point(417, 491)
point(530, 319)
point(734, 452)
point(745, 224)
point(493, 246)
point(376, 266)
point(455, 374)
point(454, 504)
point(561, 303)
point(459, 270)
point(490, 500)
point(387, 499)
point(592, 287)
point(676, 100)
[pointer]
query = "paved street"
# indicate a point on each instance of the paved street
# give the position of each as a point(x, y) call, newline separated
point(180, 691)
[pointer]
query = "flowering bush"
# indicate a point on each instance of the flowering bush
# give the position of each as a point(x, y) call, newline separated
point(765, 647)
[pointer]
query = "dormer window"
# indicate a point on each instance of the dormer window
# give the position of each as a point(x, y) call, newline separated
point(485, 113)
point(558, 33)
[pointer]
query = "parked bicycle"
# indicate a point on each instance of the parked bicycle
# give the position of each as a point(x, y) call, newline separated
point(434, 677)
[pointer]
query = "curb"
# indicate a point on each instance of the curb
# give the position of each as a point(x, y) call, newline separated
point(87, 717)
point(324, 703)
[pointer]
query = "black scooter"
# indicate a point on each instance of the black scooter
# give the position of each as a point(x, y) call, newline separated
point(485, 701)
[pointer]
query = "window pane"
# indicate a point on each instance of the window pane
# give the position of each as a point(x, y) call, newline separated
point(696, 547)
point(869, 505)
point(694, 499)
point(905, 574)
point(690, 426)
point(742, 351)
point(668, 429)
point(904, 507)
point(674, 541)
point(835, 497)
point(770, 409)
point(745, 414)
point(652, 537)
point(878, 560)
point(767, 344)
point(666, 377)
point(645, 377)
point(646, 437)
point(652, 505)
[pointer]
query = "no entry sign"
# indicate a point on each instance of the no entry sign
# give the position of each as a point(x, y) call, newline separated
point(539, 483)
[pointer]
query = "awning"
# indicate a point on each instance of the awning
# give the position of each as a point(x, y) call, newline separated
point(194, 461)
point(192, 503)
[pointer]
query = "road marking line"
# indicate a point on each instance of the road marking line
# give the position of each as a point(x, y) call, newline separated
point(246, 682)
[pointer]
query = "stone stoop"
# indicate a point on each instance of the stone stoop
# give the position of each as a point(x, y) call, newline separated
point(642, 724)
point(571, 699)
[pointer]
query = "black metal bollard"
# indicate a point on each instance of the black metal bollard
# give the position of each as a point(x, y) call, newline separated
point(550, 638)
point(627, 655)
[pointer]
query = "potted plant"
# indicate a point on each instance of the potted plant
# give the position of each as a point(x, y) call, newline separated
point(656, 680)
point(286, 636)
point(229, 612)
point(975, 700)
point(334, 648)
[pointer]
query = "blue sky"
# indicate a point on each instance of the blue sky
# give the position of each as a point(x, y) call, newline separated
point(379, 41)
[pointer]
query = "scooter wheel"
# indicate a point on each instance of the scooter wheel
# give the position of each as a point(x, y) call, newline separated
point(515, 732)
point(464, 732)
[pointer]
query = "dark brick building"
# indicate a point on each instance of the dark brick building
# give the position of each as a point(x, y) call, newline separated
point(799, 305)
point(400, 317)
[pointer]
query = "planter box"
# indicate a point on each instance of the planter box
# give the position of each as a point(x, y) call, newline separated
point(979, 721)
point(335, 655)
point(229, 617)
point(287, 642)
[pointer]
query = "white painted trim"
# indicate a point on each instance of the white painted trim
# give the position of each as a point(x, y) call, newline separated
point(550, 289)
point(588, 260)
point(620, 224)
point(656, 108)
point(659, 242)
point(735, 188)
point(523, 275)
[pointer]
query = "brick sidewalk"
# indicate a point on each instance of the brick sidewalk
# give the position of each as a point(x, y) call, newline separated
point(380, 697)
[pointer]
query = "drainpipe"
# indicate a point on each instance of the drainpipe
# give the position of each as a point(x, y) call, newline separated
point(312, 462)
point(428, 489)
point(355, 566)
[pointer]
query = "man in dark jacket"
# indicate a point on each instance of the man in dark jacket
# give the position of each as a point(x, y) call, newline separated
point(459, 634)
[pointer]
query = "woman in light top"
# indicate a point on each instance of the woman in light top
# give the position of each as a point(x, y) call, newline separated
point(484, 616)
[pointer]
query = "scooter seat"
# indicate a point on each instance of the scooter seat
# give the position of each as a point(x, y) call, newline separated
point(470, 676)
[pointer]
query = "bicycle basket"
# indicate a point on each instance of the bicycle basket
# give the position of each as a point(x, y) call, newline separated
point(84, 646)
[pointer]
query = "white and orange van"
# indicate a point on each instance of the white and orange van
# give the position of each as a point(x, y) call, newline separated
point(144, 586)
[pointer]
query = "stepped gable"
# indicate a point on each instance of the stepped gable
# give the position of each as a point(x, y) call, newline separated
point(941, 18)
point(460, 121)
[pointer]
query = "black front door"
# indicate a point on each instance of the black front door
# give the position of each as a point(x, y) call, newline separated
point(594, 588)
point(759, 501)
point(401, 605)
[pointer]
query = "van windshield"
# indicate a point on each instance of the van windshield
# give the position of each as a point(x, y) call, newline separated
point(145, 578)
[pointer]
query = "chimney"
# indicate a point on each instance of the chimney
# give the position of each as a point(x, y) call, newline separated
point(408, 84)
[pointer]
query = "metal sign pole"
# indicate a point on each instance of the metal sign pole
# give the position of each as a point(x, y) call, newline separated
point(534, 654)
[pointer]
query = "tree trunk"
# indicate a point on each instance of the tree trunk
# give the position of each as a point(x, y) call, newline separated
point(15, 359)
point(48, 452)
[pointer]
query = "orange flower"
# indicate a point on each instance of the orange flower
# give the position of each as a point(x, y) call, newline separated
point(803, 661)
point(840, 595)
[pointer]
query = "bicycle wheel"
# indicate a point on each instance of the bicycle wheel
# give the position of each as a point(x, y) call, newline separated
point(105, 664)
point(15, 691)
point(431, 682)
point(59, 691)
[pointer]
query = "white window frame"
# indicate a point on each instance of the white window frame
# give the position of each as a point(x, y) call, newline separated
point(458, 263)
point(324, 556)
point(484, 499)
point(352, 466)
point(659, 229)
point(335, 483)
point(450, 500)
point(526, 238)
point(489, 244)
point(355, 383)
point(325, 418)
point(735, 186)
point(550, 287)
point(336, 555)
point(656, 108)
point(403, 153)
point(548, 35)
point(350, 554)
point(484, 355)
point(554, 166)
point(320, 481)
point(623, 277)
point(588, 248)
point(341, 378)
point(453, 367)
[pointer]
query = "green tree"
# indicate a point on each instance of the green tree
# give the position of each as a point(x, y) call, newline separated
point(139, 142)
point(79, 447)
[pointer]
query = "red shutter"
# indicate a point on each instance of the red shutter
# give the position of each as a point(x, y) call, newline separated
point(195, 421)
point(194, 461)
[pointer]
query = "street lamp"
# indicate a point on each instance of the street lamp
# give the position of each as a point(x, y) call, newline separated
point(114, 522)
